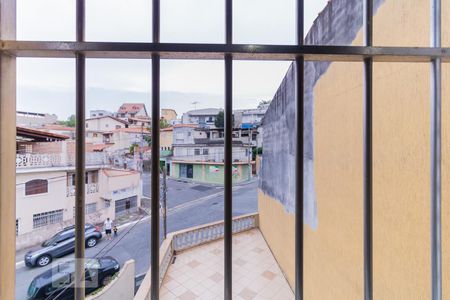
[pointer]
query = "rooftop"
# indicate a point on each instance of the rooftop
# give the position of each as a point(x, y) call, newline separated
point(205, 111)
point(131, 107)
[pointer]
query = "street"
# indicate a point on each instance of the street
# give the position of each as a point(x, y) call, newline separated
point(189, 204)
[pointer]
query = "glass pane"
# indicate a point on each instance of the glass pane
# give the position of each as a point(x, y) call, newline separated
point(445, 179)
point(45, 104)
point(46, 20)
point(192, 21)
point(258, 265)
point(118, 21)
point(394, 22)
point(264, 22)
point(401, 203)
point(117, 149)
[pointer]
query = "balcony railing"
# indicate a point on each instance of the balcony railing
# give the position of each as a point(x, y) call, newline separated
point(91, 188)
point(47, 160)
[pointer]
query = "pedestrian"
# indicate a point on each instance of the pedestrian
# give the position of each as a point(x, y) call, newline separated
point(108, 227)
point(115, 230)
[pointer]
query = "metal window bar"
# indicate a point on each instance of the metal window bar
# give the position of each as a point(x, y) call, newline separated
point(367, 153)
point(229, 51)
point(299, 155)
point(80, 156)
point(435, 118)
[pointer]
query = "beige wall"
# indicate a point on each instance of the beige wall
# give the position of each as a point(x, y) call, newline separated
point(166, 139)
point(333, 265)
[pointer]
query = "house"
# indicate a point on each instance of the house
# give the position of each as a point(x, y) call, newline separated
point(99, 113)
point(132, 110)
point(202, 117)
point(166, 141)
point(138, 122)
point(123, 138)
point(45, 189)
point(198, 155)
point(105, 123)
point(249, 118)
point(168, 114)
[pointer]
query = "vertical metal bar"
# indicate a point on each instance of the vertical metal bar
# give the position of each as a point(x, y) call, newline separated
point(435, 118)
point(155, 158)
point(8, 153)
point(299, 155)
point(368, 155)
point(80, 156)
point(228, 145)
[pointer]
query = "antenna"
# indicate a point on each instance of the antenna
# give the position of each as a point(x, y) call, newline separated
point(195, 104)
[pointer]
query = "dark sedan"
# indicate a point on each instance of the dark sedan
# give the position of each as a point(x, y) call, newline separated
point(58, 282)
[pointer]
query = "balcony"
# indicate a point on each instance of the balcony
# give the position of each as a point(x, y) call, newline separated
point(91, 188)
point(49, 160)
point(191, 264)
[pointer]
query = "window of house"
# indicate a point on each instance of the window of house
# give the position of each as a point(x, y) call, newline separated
point(94, 135)
point(70, 179)
point(196, 151)
point(17, 227)
point(47, 218)
point(36, 186)
point(90, 208)
point(205, 151)
point(118, 126)
point(106, 125)
point(87, 125)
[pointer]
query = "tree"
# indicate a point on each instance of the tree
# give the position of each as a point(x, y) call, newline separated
point(219, 121)
point(263, 103)
point(163, 123)
point(70, 122)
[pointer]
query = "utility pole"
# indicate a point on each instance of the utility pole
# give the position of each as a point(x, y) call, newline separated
point(164, 206)
point(250, 154)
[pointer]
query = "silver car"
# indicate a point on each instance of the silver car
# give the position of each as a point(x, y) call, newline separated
point(61, 244)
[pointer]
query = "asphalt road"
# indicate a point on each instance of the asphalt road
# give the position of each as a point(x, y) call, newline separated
point(189, 204)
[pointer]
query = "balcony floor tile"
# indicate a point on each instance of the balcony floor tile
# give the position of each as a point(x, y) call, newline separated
point(198, 272)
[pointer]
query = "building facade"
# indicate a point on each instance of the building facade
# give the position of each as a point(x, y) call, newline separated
point(201, 117)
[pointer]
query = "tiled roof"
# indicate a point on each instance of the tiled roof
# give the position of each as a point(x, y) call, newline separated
point(131, 108)
point(132, 130)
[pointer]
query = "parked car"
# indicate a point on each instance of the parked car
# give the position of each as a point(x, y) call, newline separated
point(61, 244)
point(58, 282)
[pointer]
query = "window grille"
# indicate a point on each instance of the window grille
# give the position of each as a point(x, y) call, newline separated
point(47, 218)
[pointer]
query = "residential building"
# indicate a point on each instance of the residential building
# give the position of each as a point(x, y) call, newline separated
point(138, 122)
point(45, 186)
point(203, 117)
point(248, 118)
point(166, 141)
point(106, 123)
point(99, 113)
point(123, 138)
point(32, 119)
point(132, 110)
point(169, 115)
point(198, 154)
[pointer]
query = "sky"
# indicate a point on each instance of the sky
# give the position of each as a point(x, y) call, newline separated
point(48, 85)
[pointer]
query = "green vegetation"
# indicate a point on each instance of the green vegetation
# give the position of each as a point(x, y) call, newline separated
point(70, 122)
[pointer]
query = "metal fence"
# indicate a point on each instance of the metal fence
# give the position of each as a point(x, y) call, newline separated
point(228, 51)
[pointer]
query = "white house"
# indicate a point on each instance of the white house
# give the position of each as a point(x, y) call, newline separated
point(45, 191)
point(202, 117)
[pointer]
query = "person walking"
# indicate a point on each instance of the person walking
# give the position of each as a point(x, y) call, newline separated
point(115, 230)
point(108, 227)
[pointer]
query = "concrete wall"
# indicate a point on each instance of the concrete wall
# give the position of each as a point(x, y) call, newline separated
point(334, 241)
